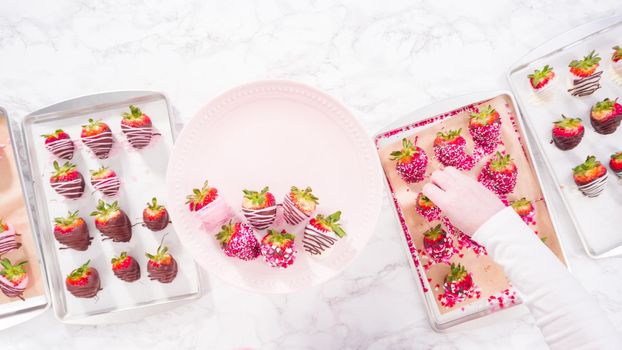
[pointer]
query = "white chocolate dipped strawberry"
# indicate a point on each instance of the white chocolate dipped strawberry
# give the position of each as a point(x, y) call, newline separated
point(259, 208)
point(322, 233)
point(298, 205)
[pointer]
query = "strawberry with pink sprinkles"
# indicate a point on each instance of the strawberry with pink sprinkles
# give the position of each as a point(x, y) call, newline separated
point(525, 209)
point(458, 287)
point(450, 150)
point(438, 244)
point(426, 208)
point(278, 248)
point(411, 161)
point(499, 174)
point(238, 241)
point(463, 240)
point(485, 128)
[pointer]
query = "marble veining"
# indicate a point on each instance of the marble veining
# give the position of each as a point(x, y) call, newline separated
point(381, 59)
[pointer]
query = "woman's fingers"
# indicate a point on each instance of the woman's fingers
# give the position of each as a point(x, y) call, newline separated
point(436, 194)
point(441, 179)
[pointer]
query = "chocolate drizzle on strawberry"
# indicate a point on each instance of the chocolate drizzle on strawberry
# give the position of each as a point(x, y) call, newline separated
point(607, 126)
point(260, 219)
point(316, 242)
point(565, 143)
point(586, 86)
point(163, 273)
point(292, 214)
point(108, 187)
point(594, 188)
point(126, 268)
point(138, 137)
point(13, 278)
point(77, 238)
point(62, 148)
point(112, 222)
point(8, 240)
point(100, 144)
point(89, 287)
point(70, 189)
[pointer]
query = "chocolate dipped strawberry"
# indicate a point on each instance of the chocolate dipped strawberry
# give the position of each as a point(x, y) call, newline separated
point(485, 128)
point(499, 174)
point(450, 150)
point(616, 59)
point(83, 282)
point(67, 181)
point(209, 207)
point(298, 205)
point(72, 232)
point(438, 245)
point(322, 232)
point(541, 80)
point(411, 162)
point(590, 177)
point(112, 222)
point(605, 116)
point(458, 286)
point(125, 267)
point(615, 163)
point(238, 240)
point(155, 216)
point(259, 208)
point(278, 248)
point(137, 127)
point(105, 181)
point(8, 238)
point(584, 79)
point(13, 278)
point(524, 208)
point(162, 267)
point(97, 136)
point(427, 209)
point(567, 133)
point(59, 144)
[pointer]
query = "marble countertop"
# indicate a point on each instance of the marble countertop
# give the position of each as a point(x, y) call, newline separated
point(382, 59)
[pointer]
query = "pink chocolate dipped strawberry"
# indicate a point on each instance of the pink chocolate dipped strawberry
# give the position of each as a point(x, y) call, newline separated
point(67, 180)
point(125, 267)
point(485, 128)
point(155, 216)
point(278, 248)
point(541, 79)
point(238, 240)
point(606, 116)
point(615, 163)
point(438, 245)
point(458, 286)
point(162, 266)
point(112, 222)
point(426, 208)
point(322, 232)
point(97, 136)
point(72, 232)
point(590, 177)
point(525, 209)
point(83, 282)
point(105, 181)
point(59, 144)
point(567, 133)
point(450, 150)
point(298, 205)
point(137, 127)
point(259, 208)
point(209, 207)
point(499, 174)
point(8, 238)
point(13, 278)
point(411, 162)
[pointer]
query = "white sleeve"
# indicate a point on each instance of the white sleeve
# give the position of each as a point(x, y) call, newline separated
point(564, 311)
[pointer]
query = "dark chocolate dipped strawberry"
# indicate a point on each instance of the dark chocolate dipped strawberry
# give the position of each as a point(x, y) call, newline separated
point(67, 181)
point(83, 282)
point(105, 181)
point(162, 267)
point(458, 286)
point(605, 116)
point(524, 208)
point(59, 144)
point(238, 240)
point(155, 216)
point(438, 245)
point(278, 248)
point(411, 162)
point(450, 150)
point(97, 136)
point(590, 177)
point(615, 163)
point(125, 267)
point(13, 278)
point(112, 222)
point(427, 209)
point(137, 127)
point(322, 233)
point(485, 128)
point(72, 232)
point(259, 208)
point(298, 205)
point(567, 133)
point(499, 174)
point(8, 238)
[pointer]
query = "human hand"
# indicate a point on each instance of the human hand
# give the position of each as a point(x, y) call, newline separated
point(466, 202)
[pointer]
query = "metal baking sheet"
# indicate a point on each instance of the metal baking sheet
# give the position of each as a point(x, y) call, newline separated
point(14, 210)
point(595, 219)
point(496, 293)
point(142, 174)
